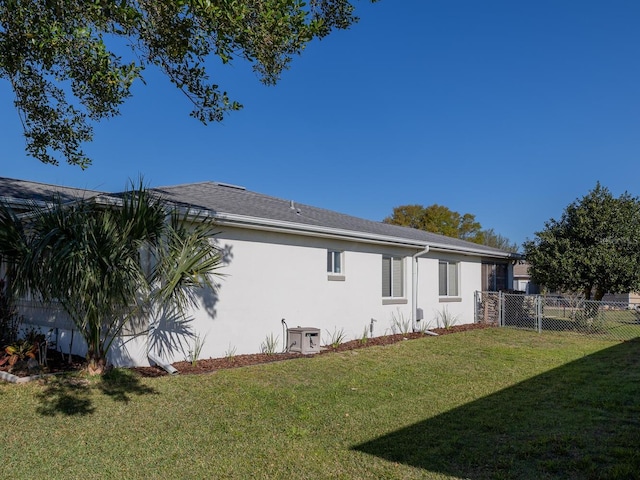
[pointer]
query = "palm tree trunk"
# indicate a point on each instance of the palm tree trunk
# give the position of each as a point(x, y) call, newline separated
point(96, 363)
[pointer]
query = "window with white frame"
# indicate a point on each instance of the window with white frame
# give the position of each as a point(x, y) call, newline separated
point(448, 281)
point(334, 262)
point(392, 277)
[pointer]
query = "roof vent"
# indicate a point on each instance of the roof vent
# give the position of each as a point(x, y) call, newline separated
point(292, 206)
point(229, 185)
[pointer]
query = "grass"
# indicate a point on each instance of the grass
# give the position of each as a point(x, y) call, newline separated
point(616, 324)
point(494, 403)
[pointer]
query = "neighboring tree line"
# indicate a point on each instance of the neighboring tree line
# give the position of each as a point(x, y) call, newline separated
point(593, 249)
point(440, 219)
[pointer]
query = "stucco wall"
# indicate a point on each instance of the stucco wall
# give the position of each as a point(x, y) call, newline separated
point(460, 307)
point(270, 276)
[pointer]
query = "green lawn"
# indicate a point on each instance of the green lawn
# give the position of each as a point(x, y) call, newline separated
point(618, 324)
point(494, 403)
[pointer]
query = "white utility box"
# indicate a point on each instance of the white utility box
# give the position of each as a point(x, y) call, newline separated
point(304, 340)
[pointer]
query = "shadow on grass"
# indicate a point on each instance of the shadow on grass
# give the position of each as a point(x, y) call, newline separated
point(72, 395)
point(578, 421)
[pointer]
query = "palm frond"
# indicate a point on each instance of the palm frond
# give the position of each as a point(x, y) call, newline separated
point(88, 256)
point(187, 262)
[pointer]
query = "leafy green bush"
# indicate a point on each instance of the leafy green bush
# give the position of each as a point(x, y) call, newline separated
point(19, 351)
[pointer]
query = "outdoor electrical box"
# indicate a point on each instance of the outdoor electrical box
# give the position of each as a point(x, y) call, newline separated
point(304, 340)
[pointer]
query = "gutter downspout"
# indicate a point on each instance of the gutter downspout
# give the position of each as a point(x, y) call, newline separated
point(414, 287)
point(162, 364)
point(167, 367)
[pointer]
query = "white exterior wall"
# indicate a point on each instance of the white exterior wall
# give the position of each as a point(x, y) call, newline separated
point(460, 307)
point(270, 276)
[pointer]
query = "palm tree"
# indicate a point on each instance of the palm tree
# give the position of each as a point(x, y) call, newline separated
point(110, 264)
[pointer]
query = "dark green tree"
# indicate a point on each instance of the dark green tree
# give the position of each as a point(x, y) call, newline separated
point(593, 249)
point(52, 48)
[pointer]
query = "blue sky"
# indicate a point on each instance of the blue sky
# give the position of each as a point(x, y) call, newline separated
point(506, 110)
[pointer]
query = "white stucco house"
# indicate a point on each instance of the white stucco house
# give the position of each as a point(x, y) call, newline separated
point(309, 266)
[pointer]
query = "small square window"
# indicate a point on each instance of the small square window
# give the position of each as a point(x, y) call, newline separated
point(334, 262)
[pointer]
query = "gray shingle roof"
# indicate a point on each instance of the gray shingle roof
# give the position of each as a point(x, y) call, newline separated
point(12, 189)
point(224, 199)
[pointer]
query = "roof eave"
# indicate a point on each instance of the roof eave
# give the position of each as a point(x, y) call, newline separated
point(257, 223)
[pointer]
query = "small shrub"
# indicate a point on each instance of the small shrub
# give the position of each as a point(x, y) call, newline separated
point(19, 352)
point(231, 352)
point(336, 338)
point(270, 344)
point(587, 323)
point(35, 336)
point(400, 325)
point(365, 335)
point(423, 326)
point(446, 318)
point(194, 354)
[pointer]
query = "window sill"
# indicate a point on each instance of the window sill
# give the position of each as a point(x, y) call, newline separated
point(449, 299)
point(394, 301)
point(336, 278)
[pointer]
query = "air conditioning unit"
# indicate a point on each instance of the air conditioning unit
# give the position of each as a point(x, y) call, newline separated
point(304, 340)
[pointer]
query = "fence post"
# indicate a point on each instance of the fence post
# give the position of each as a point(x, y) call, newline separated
point(500, 309)
point(539, 313)
point(475, 307)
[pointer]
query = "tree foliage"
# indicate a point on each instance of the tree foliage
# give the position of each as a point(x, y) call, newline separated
point(593, 249)
point(492, 239)
point(65, 63)
point(440, 219)
point(111, 267)
point(437, 219)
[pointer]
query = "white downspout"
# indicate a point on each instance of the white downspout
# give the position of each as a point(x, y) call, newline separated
point(162, 364)
point(414, 286)
point(166, 366)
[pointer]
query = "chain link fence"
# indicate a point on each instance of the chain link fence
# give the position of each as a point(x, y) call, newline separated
point(615, 320)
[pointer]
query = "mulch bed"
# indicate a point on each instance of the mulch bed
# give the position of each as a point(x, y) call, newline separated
point(58, 363)
point(213, 364)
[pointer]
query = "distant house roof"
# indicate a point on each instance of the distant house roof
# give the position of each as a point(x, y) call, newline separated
point(521, 269)
point(233, 205)
point(25, 192)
